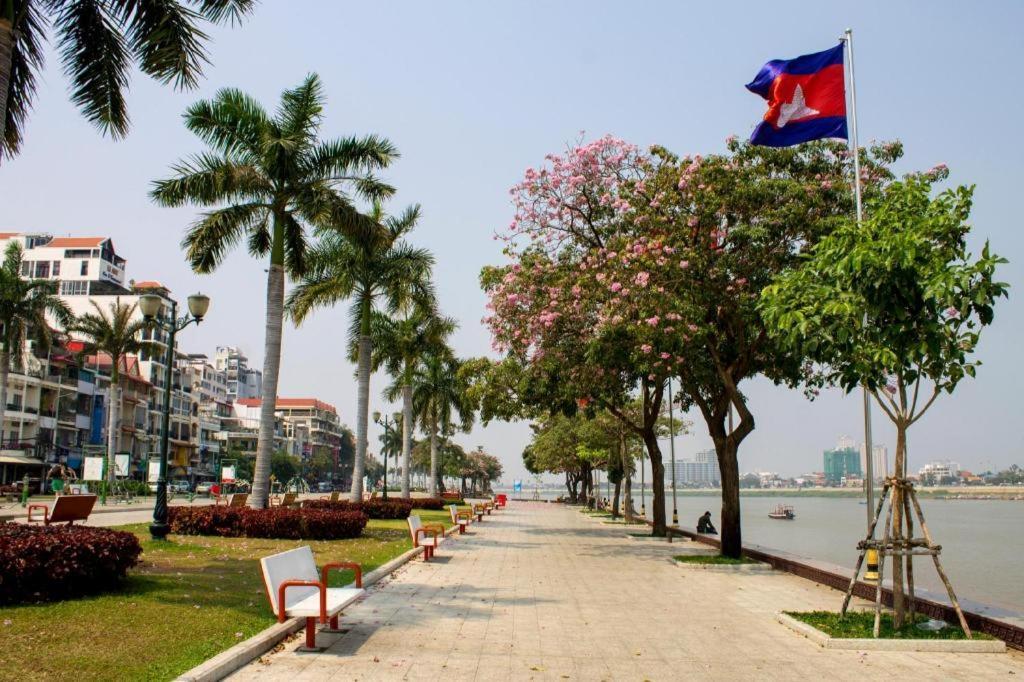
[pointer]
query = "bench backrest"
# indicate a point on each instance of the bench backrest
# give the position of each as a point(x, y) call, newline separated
point(289, 498)
point(414, 525)
point(295, 564)
point(502, 499)
point(237, 499)
point(334, 496)
point(69, 508)
point(453, 510)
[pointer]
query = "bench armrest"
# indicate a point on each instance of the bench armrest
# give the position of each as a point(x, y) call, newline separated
point(464, 515)
point(36, 507)
point(343, 565)
point(281, 617)
point(439, 527)
point(424, 531)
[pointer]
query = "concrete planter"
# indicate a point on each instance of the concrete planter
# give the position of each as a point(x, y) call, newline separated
point(725, 568)
point(951, 646)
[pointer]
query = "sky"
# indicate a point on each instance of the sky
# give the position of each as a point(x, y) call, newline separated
point(474, 93)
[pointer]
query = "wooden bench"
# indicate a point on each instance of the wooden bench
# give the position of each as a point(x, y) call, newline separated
point(66, 509)
point(333, 497)
point(296, 590)
point(425, 535)
point(479, 510)
point(501, 500)
point(289, 500)
point(233, 500)
point(461, 518)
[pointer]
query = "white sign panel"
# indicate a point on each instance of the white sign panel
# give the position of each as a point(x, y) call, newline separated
point(227, 474)
point(121, 463)
point(154, 471)
point(92, 470)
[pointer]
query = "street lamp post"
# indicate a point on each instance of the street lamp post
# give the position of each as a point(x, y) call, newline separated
point(150, 305)
point(386, 423)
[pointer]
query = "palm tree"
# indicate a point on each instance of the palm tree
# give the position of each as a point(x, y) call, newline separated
point(400, 342)
point(116, 334)
point(100, 42)
point(369, 268)
point(271, 179)
point(437, 392)
point(24, 305)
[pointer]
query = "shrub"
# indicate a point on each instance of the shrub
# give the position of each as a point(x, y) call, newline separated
point(289, 524)
point(45, 563)
point(435, 503)
point(391, 508)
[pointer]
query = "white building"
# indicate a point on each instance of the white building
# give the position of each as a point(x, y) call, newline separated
point(242, 381)
point(879, 462)
point(934, 473)
point(701, 471)
point(83, 265)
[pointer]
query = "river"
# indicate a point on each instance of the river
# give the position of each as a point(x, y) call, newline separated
point(982, 540)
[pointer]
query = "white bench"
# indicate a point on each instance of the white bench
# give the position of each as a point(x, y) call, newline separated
point(425, 535)
point(296, 590)
point(461, 518)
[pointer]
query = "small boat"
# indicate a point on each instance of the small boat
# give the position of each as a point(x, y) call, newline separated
point(782, 511)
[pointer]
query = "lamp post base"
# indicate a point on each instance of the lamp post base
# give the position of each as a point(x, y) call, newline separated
point(159, 530)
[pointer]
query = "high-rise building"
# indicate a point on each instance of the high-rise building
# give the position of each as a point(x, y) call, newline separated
point(879, 462)
point(939, 473)
point(841, 463)
point(701, 471)
point(242, 381)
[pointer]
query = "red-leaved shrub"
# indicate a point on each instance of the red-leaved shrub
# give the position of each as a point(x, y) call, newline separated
point(391, 508)
point(45, 563)
point(277, 522)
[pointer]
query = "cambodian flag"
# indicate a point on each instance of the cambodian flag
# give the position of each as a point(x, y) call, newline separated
point(806, 99)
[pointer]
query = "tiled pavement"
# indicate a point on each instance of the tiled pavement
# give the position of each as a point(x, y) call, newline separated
point(541, 592)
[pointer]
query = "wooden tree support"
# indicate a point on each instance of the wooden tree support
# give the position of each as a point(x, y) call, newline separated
point(894, 544)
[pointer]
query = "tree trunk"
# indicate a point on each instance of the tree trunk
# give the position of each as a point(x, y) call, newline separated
point(6, 64)
point(113, 425)
point(271, 368)
point(897, 502)
point(406, 438)
point(729, 524)
point(615, 500)
point(432, 480)
point(362, 409)
point(657, 483)
point(5, 370)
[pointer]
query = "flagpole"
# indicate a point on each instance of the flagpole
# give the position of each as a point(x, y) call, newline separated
point(869, 478)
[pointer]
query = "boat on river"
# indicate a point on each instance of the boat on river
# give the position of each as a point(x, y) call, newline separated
point(782, 512)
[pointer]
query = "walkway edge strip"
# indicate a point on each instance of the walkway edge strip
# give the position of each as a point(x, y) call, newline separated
point(243, 653)
point(952, 646)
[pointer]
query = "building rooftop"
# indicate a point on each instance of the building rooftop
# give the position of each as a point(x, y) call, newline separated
point(290, 403)
point(76, 242)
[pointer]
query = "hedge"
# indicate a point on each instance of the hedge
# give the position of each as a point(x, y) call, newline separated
point(391, 508)
point(275, 523)
point(46, 563)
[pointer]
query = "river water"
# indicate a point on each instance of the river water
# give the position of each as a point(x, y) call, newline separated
point(982, 540)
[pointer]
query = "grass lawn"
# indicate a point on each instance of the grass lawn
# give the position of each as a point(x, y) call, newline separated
point(189, 599)
point(860, 624)
point(712, 559)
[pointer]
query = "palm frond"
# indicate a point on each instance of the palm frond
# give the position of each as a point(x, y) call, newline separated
point(206, 179)
point(232, 122)
point(166, 41)
point(299, 113)
point(26, 60)
point(210, 238)
point(221, 11)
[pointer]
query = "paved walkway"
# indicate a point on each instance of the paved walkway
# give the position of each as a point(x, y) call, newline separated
point(541, 592)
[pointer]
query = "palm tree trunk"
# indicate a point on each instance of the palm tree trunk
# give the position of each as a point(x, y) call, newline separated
point(271, 369)
point(5, 370)
point(362, 409)
point(113, 424)
point(432, 480)
point(6, 64)
point(406, 438)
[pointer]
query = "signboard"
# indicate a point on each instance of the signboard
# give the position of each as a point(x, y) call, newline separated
point(227, 474)
point(121, 464)
point(93, 469)
point(154, 472)
point(517, 486)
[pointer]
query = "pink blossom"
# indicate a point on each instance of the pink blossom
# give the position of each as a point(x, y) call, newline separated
point(641, 279)
point(646, 348)
point(615, 286)
point(653, 321)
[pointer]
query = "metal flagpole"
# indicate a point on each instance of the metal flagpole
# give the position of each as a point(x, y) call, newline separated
point(869, 478)
point(672, 449)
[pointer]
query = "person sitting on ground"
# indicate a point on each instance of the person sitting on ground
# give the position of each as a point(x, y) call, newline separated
point(704, 524)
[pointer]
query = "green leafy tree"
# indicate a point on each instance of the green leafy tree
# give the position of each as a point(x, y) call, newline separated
point(100, 42)
point(116, 333)
point(319, 467)
point(371, 269)
point(438, 398)
point(24, 305)
point(399, 341)
point(284, 467)
point(270, 179)
point(896, 304)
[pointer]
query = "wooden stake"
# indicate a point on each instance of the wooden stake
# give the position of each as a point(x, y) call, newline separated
point(863, 551)
point(910, 556)
point(938, 566)
point(881, 571)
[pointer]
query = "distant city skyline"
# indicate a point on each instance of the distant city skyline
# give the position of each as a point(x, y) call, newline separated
point(494, 88)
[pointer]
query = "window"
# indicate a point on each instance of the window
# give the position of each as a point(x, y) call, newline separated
point(42, 269)
point(26, 268)
point(74, 288)
point(85, 268)
point(56, 268)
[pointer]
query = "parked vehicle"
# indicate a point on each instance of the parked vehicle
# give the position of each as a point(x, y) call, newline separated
point(324, 487)
point(204, 488)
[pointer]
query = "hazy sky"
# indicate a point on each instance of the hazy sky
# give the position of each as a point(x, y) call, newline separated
point(473, 93)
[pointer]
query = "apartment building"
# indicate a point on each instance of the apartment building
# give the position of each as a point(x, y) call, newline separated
point(242, 380)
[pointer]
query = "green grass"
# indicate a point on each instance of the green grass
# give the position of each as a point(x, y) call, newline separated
point(189, 599)
point(860, 625)
point(712, 560)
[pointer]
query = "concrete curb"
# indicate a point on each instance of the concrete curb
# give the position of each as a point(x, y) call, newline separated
point(723, 568)
point(951, 646)
point(243, 653)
